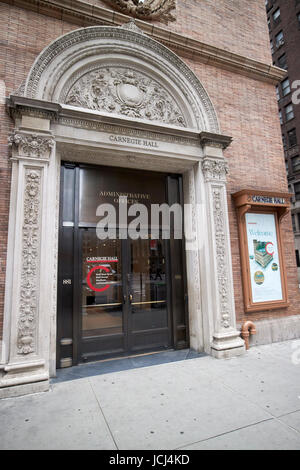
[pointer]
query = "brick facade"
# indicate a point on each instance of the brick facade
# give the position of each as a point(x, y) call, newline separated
point(284, 17)
point(246, 108)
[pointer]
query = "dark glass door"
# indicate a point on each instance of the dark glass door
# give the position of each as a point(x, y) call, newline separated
point(124, 305)
point(149, 323)
point(116, 296)
point(102, 295)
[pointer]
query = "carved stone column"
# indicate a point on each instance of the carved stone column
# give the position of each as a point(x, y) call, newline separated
point(26, 331)
point(226, 341)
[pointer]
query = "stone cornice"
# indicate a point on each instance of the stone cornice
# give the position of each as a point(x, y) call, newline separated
point(215, 140)
point(20, 105)
point(85, 14)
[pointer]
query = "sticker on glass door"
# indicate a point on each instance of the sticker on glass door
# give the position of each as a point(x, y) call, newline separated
point(98, 277)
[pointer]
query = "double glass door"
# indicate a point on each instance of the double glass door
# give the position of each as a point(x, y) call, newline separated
point(123, 295)
point(117, 296)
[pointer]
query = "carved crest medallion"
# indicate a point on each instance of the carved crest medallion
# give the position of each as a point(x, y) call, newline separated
point(127, 92)
point(159, 10)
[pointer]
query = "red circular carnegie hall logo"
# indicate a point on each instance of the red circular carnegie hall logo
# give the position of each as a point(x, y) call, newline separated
point(88, 278)
point(270, 248)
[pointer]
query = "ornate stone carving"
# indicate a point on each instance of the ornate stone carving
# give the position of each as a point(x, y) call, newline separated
point(159, 10)
point(127, 92)
point(29, 272)
point(131, 26)
point(55, 62)
point(214, 169)
point(31, 145)
point(220, 238)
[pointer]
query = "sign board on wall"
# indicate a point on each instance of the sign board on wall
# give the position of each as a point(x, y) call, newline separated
point(265, 269)
point(261, 248)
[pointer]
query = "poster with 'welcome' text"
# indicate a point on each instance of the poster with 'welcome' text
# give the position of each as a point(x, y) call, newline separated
point(263, 257)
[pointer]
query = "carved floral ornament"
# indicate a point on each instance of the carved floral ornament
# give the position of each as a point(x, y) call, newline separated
point(214, 169)
point(146, 9)
point(31, 145)
point(222, 268)
point(127, 92)
point(30, 253)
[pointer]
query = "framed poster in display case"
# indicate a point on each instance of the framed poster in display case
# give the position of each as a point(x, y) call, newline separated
point(263, 270)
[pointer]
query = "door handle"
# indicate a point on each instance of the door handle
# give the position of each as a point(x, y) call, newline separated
point(125, 298)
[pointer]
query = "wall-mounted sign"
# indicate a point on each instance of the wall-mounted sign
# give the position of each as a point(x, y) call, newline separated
point(121, 139)
point(262, 259)
point(267, 199)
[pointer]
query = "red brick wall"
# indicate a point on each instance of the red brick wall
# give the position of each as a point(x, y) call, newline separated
point(239, 26)
point(247, 109)
point(23, 35)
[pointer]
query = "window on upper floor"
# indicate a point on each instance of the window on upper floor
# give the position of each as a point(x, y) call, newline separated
point(289, 112)
point(280, 117)
point(296, 163)
point(297, 258)
point(277, 93)
point(279, 39)
point(282, 63)
point(284, 142)
point(285, 86)
point(272, 46)
point(292, 137)
point(276, 16)
point(294, 223)
point(297, 191)
point(298, 18)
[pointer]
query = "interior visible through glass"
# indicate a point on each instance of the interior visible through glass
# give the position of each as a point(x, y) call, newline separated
point(102, 294)
point(147, 284)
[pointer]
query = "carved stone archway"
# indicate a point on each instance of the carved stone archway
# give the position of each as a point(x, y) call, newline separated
point(79, 57)
point(106, 95)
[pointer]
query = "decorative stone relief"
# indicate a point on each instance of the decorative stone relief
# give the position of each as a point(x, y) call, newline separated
point(131, 26)
point(214, 169)
point(146, 9)
point(29, 273)
point(127, 92)
point(97, 41)
point(220, 238)
point(32, 145)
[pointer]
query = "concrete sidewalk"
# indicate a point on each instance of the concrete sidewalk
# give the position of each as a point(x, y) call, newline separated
point(250, 402)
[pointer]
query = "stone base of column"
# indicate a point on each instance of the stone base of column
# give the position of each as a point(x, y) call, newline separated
point(227, 345)
point(25, 389)
point(21, 378)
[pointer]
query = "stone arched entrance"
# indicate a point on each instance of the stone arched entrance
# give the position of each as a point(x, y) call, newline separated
point(101, 95)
